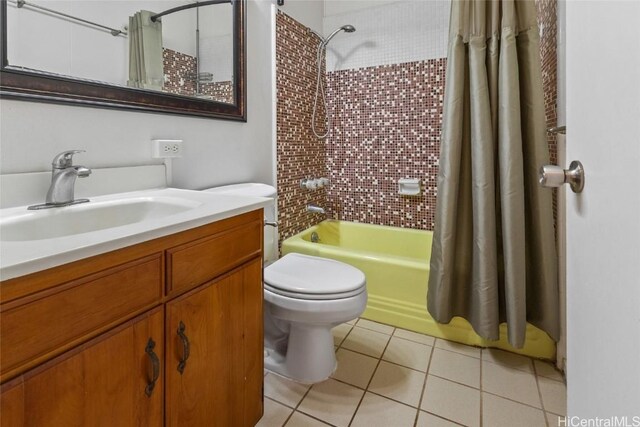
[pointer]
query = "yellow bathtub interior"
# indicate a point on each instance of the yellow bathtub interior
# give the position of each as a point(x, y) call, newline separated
point(396, 263)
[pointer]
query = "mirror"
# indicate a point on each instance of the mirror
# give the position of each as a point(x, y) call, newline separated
point(174, 56)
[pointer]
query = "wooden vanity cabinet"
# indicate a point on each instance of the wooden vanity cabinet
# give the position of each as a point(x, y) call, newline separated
point(214, 365)
point(129, 338)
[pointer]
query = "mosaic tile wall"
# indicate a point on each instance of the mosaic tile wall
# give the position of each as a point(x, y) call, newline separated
point(389, 128)
point(220, 91)
point(548, 26)
point(179, 71)
point(299, 153)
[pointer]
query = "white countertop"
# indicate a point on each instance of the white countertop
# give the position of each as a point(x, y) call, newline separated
point(21, 257)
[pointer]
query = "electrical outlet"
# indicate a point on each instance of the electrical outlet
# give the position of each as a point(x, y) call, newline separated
point(166, 148)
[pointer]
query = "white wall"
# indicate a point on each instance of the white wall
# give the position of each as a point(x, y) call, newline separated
point(216, 151)
point(386, 32)
point(338, 7)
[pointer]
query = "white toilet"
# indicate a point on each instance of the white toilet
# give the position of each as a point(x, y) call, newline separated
point(305, 297)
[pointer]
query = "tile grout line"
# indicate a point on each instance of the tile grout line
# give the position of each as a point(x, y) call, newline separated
point(345, 337)
point(376, 393)
point(374, 330)
point(457, 352)
point(283, 404)
point(544, 411)
point(298, 405)
point(506, 365)
point(512, 400)
point(444, 418)
point(311, 416)
point(457, 382)
point(369, 382)
point(380, 357)
point(481, 391)
point(424, 385)
point(414, 341)
point(385, 360)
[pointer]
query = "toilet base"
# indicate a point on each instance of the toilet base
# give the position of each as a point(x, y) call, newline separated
point(309, 358)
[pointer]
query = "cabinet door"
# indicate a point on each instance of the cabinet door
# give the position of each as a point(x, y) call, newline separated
point(103, 383)
point(214, 364)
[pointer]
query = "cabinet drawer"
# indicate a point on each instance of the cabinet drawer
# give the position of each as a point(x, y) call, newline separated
point(198, 262)
point(37, 327)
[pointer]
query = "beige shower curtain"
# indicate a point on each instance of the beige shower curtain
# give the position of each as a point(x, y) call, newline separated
point(146, 69)
point(494, 257)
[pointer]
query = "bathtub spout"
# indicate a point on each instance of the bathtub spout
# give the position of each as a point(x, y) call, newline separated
point(315, 209)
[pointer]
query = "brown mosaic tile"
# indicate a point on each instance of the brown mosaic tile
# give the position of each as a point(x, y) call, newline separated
point(548, 24)
point(299, 153)
point(390, 120)
point(547, 21)
point(179, 69)
point(179, 78)
point(219, 91)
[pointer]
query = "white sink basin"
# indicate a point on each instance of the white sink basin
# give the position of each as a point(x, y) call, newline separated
point(88, 217)
point(31, 241)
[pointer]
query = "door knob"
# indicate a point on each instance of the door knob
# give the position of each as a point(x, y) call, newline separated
point(554, 176)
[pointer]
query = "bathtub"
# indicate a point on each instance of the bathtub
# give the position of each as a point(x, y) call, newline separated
point(396, 263)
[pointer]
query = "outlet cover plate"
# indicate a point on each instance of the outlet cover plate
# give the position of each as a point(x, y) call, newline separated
point(166, 148)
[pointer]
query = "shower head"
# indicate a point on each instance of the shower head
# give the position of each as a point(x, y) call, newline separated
point(345, 28)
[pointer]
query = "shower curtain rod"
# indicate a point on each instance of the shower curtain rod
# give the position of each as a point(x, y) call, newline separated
point(113, 31)
point(155, 17)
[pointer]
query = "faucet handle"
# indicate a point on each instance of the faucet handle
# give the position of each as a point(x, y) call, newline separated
point(65, 159)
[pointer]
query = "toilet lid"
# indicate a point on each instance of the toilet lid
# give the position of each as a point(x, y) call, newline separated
point(304, 274)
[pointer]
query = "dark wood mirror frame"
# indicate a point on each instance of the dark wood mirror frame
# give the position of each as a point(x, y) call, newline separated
point(39, 87)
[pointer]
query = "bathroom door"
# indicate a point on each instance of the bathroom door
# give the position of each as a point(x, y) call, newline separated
point(603, 223)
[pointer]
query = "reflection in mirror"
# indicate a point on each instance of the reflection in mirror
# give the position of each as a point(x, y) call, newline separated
point(189, 52)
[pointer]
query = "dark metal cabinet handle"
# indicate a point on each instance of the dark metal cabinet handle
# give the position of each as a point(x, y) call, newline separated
point(155, 362)
point(186, 348)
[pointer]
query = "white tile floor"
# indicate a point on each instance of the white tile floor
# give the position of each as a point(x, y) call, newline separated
point(391, 377)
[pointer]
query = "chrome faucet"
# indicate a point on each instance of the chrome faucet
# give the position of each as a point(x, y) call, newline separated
point(63, 180)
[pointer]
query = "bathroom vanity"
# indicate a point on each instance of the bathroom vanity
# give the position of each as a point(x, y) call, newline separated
point(166, 331)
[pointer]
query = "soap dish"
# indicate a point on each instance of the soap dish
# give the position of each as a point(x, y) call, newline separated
point(409, 186)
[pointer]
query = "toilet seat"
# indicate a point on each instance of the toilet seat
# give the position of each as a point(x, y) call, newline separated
point(297, 295)
point(313, 278)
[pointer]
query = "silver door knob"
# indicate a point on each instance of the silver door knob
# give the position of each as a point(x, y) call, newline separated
point(554, 176)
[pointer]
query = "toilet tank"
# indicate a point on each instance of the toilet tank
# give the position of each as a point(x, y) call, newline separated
point(258, 190)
